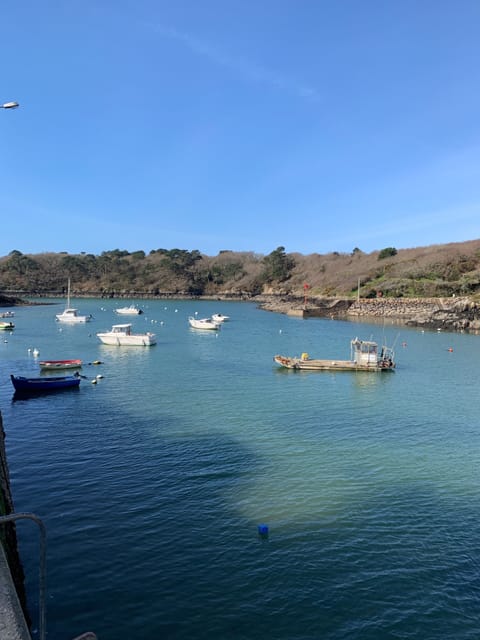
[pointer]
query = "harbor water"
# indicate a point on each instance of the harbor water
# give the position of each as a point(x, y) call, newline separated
point(195, 490)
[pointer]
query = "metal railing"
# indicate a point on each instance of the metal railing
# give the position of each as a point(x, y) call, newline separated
point(13, 517)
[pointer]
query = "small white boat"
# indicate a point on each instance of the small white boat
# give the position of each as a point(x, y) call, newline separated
point(203, 323)
point(132, 310)
point(219, 317)
point(7, 314)
point(121, 335)
point(71, 315)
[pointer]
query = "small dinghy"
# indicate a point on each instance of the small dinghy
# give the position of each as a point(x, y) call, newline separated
point(44, 384)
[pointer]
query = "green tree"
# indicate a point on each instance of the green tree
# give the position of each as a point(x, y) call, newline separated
point(388, 252)
point(277, 266)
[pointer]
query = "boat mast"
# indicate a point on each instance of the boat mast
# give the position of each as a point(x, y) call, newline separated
point(68, 294)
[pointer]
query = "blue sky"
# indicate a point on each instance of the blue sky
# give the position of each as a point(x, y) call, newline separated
point(239, 124)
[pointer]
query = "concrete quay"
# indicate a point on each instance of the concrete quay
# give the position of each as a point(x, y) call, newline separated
point(13, 625)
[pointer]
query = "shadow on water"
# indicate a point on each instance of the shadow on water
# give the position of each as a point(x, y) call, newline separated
point(145, 536)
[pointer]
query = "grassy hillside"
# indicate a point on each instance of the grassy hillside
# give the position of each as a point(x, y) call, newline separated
point(433, 271)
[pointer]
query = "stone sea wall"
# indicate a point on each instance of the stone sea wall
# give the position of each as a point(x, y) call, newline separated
point(457, 314)
point(13, 607)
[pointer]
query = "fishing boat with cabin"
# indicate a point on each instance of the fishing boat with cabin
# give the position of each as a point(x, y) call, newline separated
point(121, 335)
point(364, 357)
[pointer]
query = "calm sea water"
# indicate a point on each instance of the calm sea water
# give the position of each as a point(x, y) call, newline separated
point(152, 483)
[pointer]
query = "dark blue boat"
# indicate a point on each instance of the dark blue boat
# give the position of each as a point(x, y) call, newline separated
point(44, 384)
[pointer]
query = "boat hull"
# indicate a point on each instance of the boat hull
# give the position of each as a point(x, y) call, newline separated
point(70, 316)
point(44, 385)
point(128, 311)
point(6, 326)
point(204, 323)
point(54, 365)
point(135, 340)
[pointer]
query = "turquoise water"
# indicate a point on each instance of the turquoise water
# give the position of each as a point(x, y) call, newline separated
point(153, 481)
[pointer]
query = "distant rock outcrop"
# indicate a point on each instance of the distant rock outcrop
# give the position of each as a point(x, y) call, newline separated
point(7, 301)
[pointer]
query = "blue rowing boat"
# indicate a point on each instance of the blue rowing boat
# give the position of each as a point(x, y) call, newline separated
point(44, 384)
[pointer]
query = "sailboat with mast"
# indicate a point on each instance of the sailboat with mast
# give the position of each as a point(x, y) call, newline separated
point(71, 315)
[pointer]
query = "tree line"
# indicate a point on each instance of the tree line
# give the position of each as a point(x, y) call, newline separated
point(438, 270)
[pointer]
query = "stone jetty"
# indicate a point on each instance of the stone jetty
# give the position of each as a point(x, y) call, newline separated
point(452, 314)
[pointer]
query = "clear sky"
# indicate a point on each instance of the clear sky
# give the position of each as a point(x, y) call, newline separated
point(317, 125)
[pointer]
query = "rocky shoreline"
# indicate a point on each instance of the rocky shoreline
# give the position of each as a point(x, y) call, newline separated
point(452, 314)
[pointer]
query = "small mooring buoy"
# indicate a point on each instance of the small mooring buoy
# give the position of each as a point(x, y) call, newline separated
point(263, 530)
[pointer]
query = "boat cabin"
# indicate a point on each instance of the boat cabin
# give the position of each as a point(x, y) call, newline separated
point(364, 352)
point(123, 329)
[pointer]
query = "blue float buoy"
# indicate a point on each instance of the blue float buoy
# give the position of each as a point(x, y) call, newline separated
point(263, 529)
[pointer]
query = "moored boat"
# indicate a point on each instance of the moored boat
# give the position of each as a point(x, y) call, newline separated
point(121, 335)
point(132, 310)
point(364, 357)
point(7, 314)
point(70, 315)
point(219, 317)
point(52, 365)
point(203, 323)
point(45, 384)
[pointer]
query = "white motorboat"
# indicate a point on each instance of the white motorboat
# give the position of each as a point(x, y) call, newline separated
point(219, 317)
point(132, 310)
point(121, 335)
point(203, 323)
point(71, 315)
